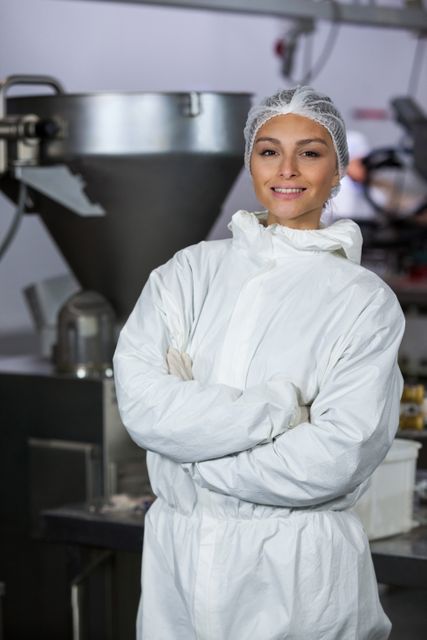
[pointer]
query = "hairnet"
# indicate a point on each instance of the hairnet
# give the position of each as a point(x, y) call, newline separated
point(302, 101)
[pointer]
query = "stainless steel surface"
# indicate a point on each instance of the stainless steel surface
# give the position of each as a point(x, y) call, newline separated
point(136, 124)
point(124, 467)
point(399, 560)
point(86, 336)
point(159, 165)
point(56, 407)
point(81, 417)
point(77, 589)
point(412, 18)
point(61, 471)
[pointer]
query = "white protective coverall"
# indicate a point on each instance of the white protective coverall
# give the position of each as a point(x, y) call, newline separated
point(251, 537)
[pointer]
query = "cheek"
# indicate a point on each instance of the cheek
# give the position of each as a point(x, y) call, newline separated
point(257, 176)
point(327, 179)
point(260, 193)
point(260, 171)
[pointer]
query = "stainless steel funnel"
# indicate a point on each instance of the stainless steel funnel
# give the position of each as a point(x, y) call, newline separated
point(158, 165)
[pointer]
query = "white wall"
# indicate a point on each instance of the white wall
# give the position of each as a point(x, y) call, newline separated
point(96, 46)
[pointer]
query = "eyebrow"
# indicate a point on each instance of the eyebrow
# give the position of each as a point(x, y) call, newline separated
point(300, 143)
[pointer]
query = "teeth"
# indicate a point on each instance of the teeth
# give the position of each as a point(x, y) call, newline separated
point(278, 190)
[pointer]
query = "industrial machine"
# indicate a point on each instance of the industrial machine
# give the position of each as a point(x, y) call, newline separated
point(121, 181)
point(155, 169)
point(396, 183)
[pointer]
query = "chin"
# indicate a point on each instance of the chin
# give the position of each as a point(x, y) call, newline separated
point(294, 220)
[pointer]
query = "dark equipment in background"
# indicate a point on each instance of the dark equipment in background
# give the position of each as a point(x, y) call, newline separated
point(410, 115)
point(396, 187)
point(396, 183)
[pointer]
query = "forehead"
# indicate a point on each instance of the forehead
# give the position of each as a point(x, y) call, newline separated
point(293, 127)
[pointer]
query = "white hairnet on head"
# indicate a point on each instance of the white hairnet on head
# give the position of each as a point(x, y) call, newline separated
point(302, 101)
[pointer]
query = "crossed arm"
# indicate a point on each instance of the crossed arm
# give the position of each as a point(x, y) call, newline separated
point(189, 421)
point(240, 443)
point(352, 424)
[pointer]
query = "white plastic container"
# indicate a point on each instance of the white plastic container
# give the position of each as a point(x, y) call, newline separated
point(386, 508)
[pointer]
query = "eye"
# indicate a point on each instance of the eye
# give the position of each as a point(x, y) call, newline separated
point(311, 154)
point(267, 152)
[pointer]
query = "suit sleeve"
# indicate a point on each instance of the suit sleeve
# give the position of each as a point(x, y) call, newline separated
point(353, 421)
point(185, 420)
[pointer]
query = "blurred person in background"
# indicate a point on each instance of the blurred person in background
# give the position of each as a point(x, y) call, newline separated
point(351, 202)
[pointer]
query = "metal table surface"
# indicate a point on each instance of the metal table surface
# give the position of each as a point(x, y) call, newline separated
point(91, 526)
point(399, 560)
point(402, 560)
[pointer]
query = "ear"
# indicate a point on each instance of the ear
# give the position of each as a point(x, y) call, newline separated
point(337, 179)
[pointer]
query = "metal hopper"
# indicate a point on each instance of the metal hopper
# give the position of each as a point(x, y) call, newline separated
point(121, 181)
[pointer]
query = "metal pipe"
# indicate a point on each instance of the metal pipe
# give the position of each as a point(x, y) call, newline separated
point(2, 592)
point(413, 18)
point(76, 587)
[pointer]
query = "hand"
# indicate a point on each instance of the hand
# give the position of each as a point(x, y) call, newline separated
point(179, 364)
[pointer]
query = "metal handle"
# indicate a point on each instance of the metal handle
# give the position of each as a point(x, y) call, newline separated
point(15, 80)
point(193, 105)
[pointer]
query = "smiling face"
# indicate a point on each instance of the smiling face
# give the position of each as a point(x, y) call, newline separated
point(293, 167)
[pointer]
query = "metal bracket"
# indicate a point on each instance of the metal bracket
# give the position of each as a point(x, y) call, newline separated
point(58, 183)
point(194, 106)
point(20, 80)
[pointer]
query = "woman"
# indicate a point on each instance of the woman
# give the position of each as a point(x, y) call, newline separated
point(260, 374)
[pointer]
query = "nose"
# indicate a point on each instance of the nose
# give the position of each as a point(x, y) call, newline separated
point(288, 167)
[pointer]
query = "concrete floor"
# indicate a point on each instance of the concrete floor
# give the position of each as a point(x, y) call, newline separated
point(407, 610)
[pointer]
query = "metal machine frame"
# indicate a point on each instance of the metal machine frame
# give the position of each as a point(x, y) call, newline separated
point(412, 16)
